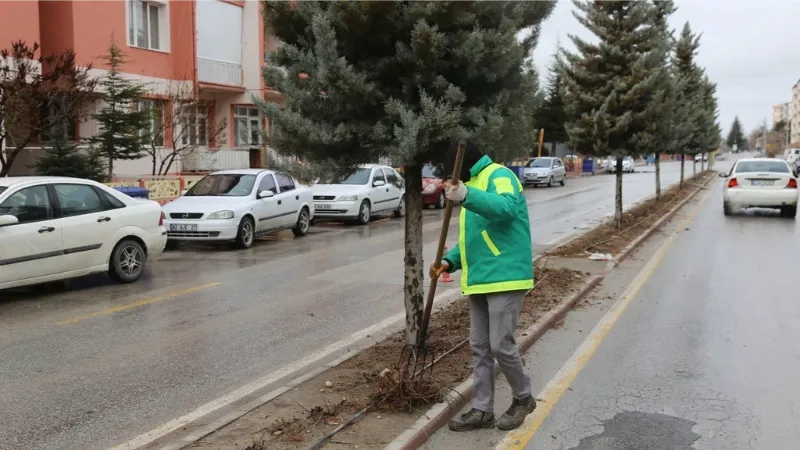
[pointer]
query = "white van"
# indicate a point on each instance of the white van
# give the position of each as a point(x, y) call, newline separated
point(792, 154)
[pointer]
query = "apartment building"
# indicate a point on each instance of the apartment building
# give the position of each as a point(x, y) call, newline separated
point(780, 112)
point(213, 49)
point(794, 115)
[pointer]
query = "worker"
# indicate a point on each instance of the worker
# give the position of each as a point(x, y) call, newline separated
point(495, 256)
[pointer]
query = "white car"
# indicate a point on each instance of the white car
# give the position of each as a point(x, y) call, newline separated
point(700, 157)
point(239, 205)
point(57, 228)
point(544, 171)
point(761, 183)
point(371, 189)
point(627, 164)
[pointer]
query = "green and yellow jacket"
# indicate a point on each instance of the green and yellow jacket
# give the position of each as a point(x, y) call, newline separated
point(494, 238)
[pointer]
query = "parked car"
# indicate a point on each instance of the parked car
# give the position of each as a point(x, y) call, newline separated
point(700, 157)
point(57, 228)
point(433, 187)
point(544, 171)
point(239, 205)
point(761, 183)
point(627, 165)
point(370, 189)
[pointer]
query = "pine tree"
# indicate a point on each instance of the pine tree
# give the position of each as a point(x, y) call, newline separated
point(607, 84)
point(399, 81)
point(690, 104)
point(62, 158)
point(736, 136)
point(119, 136)
point(551, 114)
point(709, 125)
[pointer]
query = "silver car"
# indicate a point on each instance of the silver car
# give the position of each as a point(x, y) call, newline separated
point(544, 171)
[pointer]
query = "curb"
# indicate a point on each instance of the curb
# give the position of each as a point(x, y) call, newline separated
point(438, 415)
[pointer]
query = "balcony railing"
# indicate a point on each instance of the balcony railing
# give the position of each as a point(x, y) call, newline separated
point(208, 160)
point(218, 72)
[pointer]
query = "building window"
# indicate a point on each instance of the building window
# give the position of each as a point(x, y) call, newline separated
point(146, 24)
point(195, 125)
point(153, 133)
point(247, 126)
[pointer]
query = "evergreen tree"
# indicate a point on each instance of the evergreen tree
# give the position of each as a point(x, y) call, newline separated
point(119, 136)
point(690, 103)
point(736, 136)
point(551, 114)
point(608, 84)
point(399, 81)
point(709, 125)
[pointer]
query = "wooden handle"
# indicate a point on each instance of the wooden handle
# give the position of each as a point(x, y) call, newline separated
point(448, 212)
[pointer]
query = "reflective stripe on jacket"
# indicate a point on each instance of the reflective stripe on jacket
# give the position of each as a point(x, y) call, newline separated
point(494, 249)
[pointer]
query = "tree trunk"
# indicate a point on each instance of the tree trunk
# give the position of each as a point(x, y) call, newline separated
point(694, 167)
point(110, 167)
point(154, 163)
point(683, 163)
point(703, 163)
point(414, 271)
point(8, 161)
point(657, 163)
point(618, 195)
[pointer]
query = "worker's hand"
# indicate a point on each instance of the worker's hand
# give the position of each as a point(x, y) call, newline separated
point(455, 193)
point(436, 272)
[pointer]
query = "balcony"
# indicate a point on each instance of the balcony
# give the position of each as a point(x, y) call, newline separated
point(218, 72)
point(210, 160)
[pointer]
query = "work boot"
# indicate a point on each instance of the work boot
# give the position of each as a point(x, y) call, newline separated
point(472, 420)
point(513, 418)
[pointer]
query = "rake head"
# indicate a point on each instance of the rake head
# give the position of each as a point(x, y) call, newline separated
point(416, 363)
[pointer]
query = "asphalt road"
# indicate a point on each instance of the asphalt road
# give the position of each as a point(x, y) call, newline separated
point(99, 363)
point(689, 345)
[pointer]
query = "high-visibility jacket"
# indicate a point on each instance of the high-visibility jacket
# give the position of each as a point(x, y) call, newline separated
point(494, 249)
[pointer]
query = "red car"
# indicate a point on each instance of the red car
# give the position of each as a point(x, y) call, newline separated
point(433, 187)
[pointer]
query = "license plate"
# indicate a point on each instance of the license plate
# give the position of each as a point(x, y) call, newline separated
point(762, 182)
point(182, 227)
point(321, 206)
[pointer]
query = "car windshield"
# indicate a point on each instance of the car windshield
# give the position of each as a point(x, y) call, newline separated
point(431, 172)
point(762, 166)
point(360, 176)
point(540, 162)
point(223, 185)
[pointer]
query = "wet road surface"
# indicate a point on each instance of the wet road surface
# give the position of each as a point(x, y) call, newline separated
point(706, 354)
point(98, 363)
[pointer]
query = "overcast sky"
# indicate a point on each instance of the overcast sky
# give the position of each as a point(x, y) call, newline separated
point(748, 47)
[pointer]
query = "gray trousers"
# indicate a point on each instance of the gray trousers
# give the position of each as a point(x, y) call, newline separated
point(493, 320)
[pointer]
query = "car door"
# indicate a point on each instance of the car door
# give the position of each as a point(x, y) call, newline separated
point(560, 170)
point(266, 209)
point(288, 200)
point(32, 247)
point(380, 194)
point(395, 187)
point(89, 223)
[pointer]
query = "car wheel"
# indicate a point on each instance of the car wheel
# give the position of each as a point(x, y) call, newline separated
point(790, 212)
point(364, 213)
point(303, 222)
point(563, 180)
point(550, 182)
point(726, 208)
point(246, 234)
point(442, 202)
point(401, 208)
point(171, 245)
point(127, 261)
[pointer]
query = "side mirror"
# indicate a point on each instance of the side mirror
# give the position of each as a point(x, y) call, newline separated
point(183, 192)
point(265, 194)
point(8, 220)
point(378, 183)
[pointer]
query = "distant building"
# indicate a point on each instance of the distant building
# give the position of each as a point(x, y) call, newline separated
point(794, 114)
point(780, 112)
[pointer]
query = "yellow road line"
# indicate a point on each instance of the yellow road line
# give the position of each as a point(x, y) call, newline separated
point(144, 301)
point(518, 439)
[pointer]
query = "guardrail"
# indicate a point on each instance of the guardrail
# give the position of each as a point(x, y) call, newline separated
point(162, 189)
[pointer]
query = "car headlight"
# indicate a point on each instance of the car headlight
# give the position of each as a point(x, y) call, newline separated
point(429, 189)
point(221, 215)
point(348, 198)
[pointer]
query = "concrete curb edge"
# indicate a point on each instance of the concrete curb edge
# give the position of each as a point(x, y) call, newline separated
point(438, 415)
